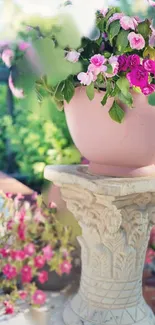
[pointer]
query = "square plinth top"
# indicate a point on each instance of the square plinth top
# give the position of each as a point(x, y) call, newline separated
point(79, 175)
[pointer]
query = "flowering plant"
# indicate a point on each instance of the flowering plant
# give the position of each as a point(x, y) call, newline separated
point(118, 56)
point(30, 237)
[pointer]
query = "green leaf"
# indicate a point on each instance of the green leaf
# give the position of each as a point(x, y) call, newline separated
point(123, 85)
point(109, 68)
point(122, 40)
point(90, 91)
point(151, 99)
point(126, 99)
point(105, 98)
point(69, 90)
point(149, 52)
point(144, 29)
point(116, 113)
point(114, 29)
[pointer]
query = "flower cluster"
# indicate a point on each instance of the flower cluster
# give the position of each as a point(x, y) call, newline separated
point(119, 55)
point(31, 239)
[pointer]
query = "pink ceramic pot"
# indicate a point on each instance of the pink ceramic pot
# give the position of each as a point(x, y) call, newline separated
point(113, 149)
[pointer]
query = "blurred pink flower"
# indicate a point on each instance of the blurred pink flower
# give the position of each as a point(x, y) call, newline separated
point(4, 252)
point(17, 255)
point(96, 70)
point(23, 295)
point(73, 56)
point(133, 61)
point(22, 231)
point(8, 195)
point(150, 254)
point(48, 252)
point(26, 274)
point(43, 277)
point(137, 41)
point(10, 224)
point(85, 78)
point(52, 205)
point(148, 90)
point(23, 46)
point(149, 65)
point(104, 11)
point(39, 297)
point(29, 249)
point(9, 271)
point(65, 267)
point(116, 16)
point(19, 93)
point(138, 77)
point(39, 261)
point(98, 60)
point(7, 57)
point(151, 3)
point(9, 308)
point(128, 23)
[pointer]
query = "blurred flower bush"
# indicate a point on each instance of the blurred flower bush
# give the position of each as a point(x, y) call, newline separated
point(31, 238)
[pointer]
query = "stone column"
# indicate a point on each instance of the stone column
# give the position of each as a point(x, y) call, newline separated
point(116, 216)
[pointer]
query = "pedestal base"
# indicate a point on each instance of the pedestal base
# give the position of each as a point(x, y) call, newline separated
point(78, 312)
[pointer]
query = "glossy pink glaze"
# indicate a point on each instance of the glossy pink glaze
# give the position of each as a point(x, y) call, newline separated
point(113, 149)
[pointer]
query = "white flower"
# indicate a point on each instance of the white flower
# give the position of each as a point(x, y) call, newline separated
point(73, 56)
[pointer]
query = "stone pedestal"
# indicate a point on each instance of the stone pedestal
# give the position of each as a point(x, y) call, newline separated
point(116, 216)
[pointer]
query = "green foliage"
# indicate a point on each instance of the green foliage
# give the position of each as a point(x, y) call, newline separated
point(90, 91)
point(116, 113)
point(151, 99)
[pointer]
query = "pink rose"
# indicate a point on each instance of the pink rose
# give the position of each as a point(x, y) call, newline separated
point(48, 252)
point(43, 277)
point(138, 77)
point(133, 61)
point(39, 297)
point(73, 56)
point(29, 249)
point(85, 78)
point(148, 90)
point(9, 271)
point(116, 16)
point(19, 93)
point(39, 261)
point(65, 267)
point(128, 23)
point(123, 62)
point(113, 61)
point(149, 65)
point(137, 41)
point(7, 57)
point(5, 252)
point(26, 274)
point(98, 60)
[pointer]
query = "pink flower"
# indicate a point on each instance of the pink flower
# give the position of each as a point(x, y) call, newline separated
point(22, 231)
point(138, 77)
point(22, 214)
point(52, 205)
point(19, 93)
point(48, 252)
point(43, 277)
point(133, 61)
point(9, 308)
point(123, 62)
point(98, 60)
point(23, 46)
point(29, 249)
point(39, 261)
point(104, 11)
point(137, 41)
point(148, 90)
point(73, 56)
point(116, 16)
point(8, 195)
point(149, 65)
point(17, 255)
point(85, 78)
point(34, 196)
point(65, 267)
point(96, 70)
point(39, 297)
point(26, 274)
point(5, 252)
point(128, 23)
point(113, 61)
point(152, 38)
point(7, 57)
point(149, 256)
point(151, 3)
point(23, 295)
point(19, 196)
point(9, 271)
